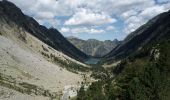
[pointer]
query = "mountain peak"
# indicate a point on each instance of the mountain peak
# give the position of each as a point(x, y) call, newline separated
point(94, 47)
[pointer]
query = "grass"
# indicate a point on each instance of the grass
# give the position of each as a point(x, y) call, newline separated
point(69, 65)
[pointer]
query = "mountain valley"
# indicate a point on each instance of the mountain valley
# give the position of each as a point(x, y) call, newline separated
point(39, 63)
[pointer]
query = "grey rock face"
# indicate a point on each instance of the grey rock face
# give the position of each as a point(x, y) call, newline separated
point(94, 47)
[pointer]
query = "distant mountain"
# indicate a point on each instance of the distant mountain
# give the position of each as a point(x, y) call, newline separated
point(94, 47)
point(10, 13)
point(152, 31)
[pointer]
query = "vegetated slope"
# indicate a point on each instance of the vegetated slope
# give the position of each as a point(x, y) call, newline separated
point(29, 68)
point(52, 37)
point(151, 31)
point(145, 75)
point(94, 47)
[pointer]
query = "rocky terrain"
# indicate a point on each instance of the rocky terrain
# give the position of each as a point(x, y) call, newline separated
point(94, 47)
point(31, 68)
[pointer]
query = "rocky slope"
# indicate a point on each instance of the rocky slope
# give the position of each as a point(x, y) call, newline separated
point(29, 67)
point(10, 13)
point(94, 47)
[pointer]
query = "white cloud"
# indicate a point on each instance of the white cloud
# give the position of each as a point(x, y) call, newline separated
point(152, 11)
point(109, 28)
point(136, 20)
point(44, 15)
point(87, 17)
point(44, 10)
point(81, 30)
point(117, 7)
point(87, 30)
point(100, 13)
point(95, 31)
point(65, 30)
point(129, 13)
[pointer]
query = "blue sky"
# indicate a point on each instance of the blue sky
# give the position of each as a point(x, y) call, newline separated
point(99, 19)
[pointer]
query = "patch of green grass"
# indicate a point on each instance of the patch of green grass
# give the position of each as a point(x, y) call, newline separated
point(69, 65)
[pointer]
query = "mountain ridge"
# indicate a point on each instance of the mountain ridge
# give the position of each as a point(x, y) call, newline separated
point(142, 36)
point(50, 36)
point(94, 47)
